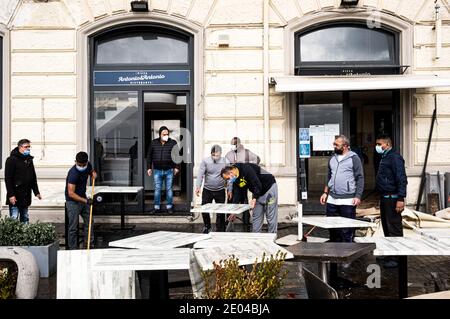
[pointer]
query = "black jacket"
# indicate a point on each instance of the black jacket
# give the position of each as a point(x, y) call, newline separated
point(160, 155)
point(20, 178)
point(391, 178)
point(253, 177)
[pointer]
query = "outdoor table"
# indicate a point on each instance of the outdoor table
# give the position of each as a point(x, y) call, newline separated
point(217, 208)
point(76, 278)
point(329, 252)
point(117, 190)
point(330, 222)
point(246, 252)
point(153, 265)
point(404, 247)
point(433, 295)
point(161, 239)
point(219, 239)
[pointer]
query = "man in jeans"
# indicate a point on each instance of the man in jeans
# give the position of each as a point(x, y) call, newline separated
point(77, 202)
point(264, 188)
point(213, 187)
point(162, 166)
point(20, 180)
point(391, 182)
point(345, 187)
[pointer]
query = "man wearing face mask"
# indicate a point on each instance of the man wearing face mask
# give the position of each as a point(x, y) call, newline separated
point(213, 187)
point(77, 203)
point(162, 166)
point(239, 154)
point(20, 180)
point(264, 188)
point(345, 187)
point(391, 182)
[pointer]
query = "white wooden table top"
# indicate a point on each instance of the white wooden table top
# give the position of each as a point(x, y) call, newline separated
point(113, 189)
point(247, 253)
point(228, 238)
point(221, 208)
point(335, 222)
point(160, 239)
point(406, 246)
point(144, 259)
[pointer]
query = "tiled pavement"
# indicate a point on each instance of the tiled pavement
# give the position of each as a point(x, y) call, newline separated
point(419, 268)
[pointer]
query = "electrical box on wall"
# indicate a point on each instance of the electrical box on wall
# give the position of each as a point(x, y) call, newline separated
point(223, 41)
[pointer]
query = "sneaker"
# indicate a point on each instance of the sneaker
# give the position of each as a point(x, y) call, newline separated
point(157, 211)
point(170, 210)
point(206, 230)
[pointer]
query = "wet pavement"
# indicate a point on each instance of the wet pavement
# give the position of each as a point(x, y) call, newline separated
point(420, 280)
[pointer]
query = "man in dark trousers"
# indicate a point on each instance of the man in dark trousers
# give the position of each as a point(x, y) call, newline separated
point(213, 186)
point(264, 188)
point(20, 180)
point(391, 182)
point(345, 187)
point(161, 164)
point(77, 203)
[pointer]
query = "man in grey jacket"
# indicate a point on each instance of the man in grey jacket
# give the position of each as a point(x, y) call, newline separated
point(213, 187)
point(345, 187)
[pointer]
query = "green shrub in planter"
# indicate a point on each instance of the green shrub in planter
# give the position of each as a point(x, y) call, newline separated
point(15, 233)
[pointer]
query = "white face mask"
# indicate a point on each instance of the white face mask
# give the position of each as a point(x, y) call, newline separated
point(165, 138)
point(233, 147)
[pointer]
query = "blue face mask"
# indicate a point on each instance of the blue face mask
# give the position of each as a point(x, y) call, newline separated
point(80, 168)
point(379, 149)
point(26, 152)
point(233, 179)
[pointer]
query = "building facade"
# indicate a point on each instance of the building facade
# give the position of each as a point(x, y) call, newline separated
point(93, 75)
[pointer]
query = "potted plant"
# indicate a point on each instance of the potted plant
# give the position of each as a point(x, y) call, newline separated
point(228, 280)
point(8, 279)
point(38, 238)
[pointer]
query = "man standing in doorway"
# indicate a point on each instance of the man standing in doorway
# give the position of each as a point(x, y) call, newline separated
point(162, 166)
point(264, 188)
point(239, 154)
point(213, 187)
point(20, 180)
point(391, 182)
point(77, 203)
point(345, 187)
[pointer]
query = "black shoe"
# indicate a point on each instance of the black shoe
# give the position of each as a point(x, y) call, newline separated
point(157, 211)
point(170, 210)
point(206, 230)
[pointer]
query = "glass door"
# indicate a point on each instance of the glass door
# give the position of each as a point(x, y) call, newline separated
point(116, 138)
point(320, 119)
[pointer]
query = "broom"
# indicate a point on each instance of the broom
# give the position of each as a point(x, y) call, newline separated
point(90, 215)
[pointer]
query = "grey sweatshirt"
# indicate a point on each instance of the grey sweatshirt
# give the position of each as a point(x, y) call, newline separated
point(210, 172)
point(346, 178)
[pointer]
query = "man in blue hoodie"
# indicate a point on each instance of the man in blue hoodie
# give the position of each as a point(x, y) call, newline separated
point(345, 187)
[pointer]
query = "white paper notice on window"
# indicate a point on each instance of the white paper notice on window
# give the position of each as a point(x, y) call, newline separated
point(323, 136)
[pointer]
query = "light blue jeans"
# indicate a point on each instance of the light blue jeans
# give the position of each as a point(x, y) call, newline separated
point(159, 175)
point(20, 213)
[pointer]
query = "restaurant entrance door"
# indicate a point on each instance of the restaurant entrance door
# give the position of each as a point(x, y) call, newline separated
point(359, 115)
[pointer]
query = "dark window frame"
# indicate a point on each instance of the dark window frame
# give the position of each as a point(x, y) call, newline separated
point(345, 67)
point(1, 99)
point(187, 89)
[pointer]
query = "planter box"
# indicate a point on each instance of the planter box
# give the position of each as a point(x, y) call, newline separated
point(45, 258)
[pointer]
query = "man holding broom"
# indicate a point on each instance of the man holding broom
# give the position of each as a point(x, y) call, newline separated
point(77, 203)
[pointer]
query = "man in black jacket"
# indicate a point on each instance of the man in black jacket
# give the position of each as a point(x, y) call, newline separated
point(391, 183)
point(160, 163)
point(264, 188)
point(20, 180)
